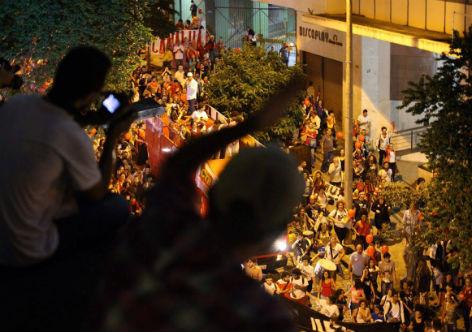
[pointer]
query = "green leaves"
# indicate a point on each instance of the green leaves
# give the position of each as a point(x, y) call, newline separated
point(47, 29)
point(445, 102)
point(244, 80)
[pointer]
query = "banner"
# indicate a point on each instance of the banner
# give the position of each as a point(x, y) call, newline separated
point(193, 38)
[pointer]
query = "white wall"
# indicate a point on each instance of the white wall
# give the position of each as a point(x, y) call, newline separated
point(375, 73)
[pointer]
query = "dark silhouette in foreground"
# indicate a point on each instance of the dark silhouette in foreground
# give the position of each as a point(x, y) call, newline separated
point(180, 272)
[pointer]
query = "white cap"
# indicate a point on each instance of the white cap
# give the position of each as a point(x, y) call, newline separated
point(189, 74)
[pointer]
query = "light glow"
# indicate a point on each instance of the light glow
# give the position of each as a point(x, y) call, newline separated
point(280, 244)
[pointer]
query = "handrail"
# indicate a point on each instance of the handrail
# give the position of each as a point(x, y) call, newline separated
point(412, 137)
point(410, 129)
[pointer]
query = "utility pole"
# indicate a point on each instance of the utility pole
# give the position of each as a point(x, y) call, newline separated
point(347, 109)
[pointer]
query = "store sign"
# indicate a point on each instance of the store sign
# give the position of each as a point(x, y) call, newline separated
point(326, 42)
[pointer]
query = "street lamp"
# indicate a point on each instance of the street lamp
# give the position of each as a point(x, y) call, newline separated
point(347, 109)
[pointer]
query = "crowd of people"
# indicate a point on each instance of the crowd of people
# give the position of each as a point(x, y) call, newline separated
point(340, 261)
point(326, 240)
point(355, 241)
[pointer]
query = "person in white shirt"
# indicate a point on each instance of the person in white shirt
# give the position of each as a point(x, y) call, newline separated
point(364, 121)
point(393, 310)
point(335, 174)
point(49, 163)
point(307, 270)
point(199, 115)
point(299, 284)
point(192, 91)
point(392, 160)
point(178, 51)
point(410, 221)
point(329, 309)
point(341, 222)
point(382, 141)
point(269, 286)
point(335, 252)
point(179, 75)
point(385, 173)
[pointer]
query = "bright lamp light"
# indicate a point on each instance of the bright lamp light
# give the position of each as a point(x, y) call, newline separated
point(280, 244)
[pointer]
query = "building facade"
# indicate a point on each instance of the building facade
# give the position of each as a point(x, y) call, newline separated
point(394, 42)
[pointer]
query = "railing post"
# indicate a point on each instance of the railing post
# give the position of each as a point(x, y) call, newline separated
point(411, 140)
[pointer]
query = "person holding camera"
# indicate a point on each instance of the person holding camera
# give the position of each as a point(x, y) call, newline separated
point(53, 195)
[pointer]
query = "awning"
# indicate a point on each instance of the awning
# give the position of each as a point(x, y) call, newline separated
point(431, 41)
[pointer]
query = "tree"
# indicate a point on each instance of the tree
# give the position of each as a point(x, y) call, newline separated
point(38, 33)
point(445, 103)
point(243, 81)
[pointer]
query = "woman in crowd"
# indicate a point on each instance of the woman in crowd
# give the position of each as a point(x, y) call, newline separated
point(341, 223)
point(327, 286)
point(357, 295)
point(363, 313)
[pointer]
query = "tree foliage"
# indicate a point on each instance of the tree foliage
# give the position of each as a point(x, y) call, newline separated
point(243, 81)
point(445, 103)
point(38, 33)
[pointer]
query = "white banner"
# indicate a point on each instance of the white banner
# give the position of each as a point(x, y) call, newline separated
point(316, 39)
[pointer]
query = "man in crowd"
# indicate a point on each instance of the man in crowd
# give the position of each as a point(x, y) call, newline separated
point(179, 75)
point(335, 252)
point(50, 156)
point(54, 198)
point(364, 121)
point(382, 142)
point(192, 92)
point(285, 53)
point(193, 8)
point(178, 51)
point(199, 115)
point(327, 146)
point(357, 262)
point(302, 245)
point(253, 270)
point(335, 174)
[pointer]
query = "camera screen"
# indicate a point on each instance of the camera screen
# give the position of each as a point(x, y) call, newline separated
point(111, 103)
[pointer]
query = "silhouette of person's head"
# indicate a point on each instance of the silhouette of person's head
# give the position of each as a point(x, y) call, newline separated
point(79, 77)
point(252, 202)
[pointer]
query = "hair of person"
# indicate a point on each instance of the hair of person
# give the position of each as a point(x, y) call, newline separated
point(296, 272)
point(383, 127)
point(365, 110)
point(323, 276)
point(269, 276)
point(387, 255)
point(82, 71)
point(358, 284)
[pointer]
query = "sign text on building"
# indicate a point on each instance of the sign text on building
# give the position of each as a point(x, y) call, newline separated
point(316, 39)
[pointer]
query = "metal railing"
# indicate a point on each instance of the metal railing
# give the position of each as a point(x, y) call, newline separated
point(407, 139)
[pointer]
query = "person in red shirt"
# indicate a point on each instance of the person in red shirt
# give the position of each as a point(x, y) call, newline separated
point(362, 228)
point(284, 286)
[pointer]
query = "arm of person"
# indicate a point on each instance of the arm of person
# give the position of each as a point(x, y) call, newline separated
point(197, 151)
point(342, 253)
point(331, 169)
